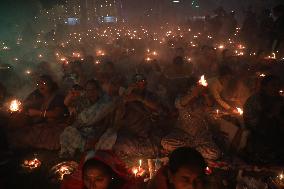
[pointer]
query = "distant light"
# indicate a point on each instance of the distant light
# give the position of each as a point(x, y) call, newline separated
point(176, 1)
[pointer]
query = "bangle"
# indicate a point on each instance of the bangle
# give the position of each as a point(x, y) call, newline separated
point(44, 114)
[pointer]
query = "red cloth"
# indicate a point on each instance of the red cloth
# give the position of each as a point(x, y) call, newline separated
point(75, 180)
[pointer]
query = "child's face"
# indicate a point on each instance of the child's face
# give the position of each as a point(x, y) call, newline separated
point(184, 178)
point(96, 179)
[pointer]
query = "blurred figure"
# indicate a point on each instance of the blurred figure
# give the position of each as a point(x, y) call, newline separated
point(91, 108)
point(265, 31)
point(249, 27)
point(263, 116)
point(278, 29)
point(137, 134)
point(192, 129)
point(46, 115)
point(217, 86)
point(185, 170)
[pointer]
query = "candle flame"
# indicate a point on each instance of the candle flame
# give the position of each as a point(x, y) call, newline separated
point(15, 105)
point(240, 111)
point(135, 171)
point(203, 81)
point(148, 59)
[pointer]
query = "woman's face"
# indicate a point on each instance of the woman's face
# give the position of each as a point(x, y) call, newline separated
point(43, 87)
point(92, 92)
point(184, 178)
point(96, 179)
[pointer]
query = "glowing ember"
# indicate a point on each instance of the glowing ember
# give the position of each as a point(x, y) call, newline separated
point(15, 105)
point(75, 54)
point(100, 53)
point(208, 171)
point(135, 171)
point(203, 81)
point(279, 181)
point(28, 72)
point(155, 53)
point(32, 164)
point(241, 47)
point(273, 56)
point(148, 59)
point(62, 169)
point(221, 47)
point(281, 176)
point(262, 75)
point(240, 111)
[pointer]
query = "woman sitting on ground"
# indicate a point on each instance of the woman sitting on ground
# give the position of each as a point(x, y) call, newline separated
point(192, 128)
point(90, 110)
point(45, 111)
point(45, 104)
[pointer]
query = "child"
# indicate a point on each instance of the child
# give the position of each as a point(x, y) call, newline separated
point(185, 169)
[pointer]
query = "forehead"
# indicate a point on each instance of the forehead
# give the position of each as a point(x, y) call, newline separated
point(187, 172)
point(93, 172)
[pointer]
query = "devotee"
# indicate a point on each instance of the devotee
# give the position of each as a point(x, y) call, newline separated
point(185, 170)
point(101, 170)
point(137, 135)
point(93, 108)
point(45, 104)
point(217, 85)
point(263, 116)
point(45, 110)
point(192, 129)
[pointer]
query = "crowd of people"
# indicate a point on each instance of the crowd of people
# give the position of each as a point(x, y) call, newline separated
point(163, 105)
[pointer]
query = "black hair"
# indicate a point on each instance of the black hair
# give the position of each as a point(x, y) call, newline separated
point(188, 157)
point(116, 181)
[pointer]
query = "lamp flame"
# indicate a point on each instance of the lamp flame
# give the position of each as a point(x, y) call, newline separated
point(15, 105)
point(240, 111)
point(203, 81)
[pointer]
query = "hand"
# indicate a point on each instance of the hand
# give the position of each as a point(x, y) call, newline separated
point(34, 112)
point(234, 111)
